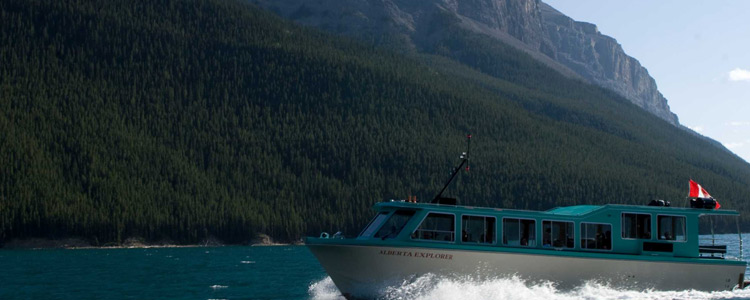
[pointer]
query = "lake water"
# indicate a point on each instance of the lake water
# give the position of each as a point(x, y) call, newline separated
point(279, 272)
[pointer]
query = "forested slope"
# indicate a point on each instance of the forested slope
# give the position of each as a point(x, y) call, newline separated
point(180, 120)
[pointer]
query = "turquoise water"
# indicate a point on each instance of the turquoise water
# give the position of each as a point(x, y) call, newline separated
point(278, 272)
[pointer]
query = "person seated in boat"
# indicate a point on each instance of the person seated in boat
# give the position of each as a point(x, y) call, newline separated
point(547, 240)
point(667, 236)
point(599, 236)
point(642, 231)
point(524, 241)
point(391, 232)
point(561, 240)
point(607, 240)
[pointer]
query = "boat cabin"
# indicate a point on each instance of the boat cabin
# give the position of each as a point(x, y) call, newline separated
point(615, 229)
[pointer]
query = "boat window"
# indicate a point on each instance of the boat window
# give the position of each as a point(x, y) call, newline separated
point(596, 236)
point(519, 232)
point(395, 224)
point(436, 227)
point(374, 224)
point(636, 226)
point(671, 228)
point(478, 229)
point(557, 234)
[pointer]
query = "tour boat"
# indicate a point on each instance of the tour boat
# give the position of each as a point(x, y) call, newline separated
point(652, 246)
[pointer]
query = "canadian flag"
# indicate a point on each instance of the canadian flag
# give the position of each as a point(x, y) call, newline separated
point(697, 191)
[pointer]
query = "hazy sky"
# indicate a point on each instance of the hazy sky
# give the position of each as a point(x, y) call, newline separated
point(698, 52)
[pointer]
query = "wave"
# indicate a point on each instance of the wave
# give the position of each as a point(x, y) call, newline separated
point(324, 290)
point(434, 287)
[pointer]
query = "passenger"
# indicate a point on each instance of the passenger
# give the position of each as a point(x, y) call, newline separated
point(524, 241)
point(607, 239)
point(644, 230)
point(561, 240)
point(390, 233)
point(526, 233)
point(547, 240)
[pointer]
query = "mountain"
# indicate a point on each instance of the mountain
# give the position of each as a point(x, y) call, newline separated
point(576, 49)
point(188, 121)
point(600, 59)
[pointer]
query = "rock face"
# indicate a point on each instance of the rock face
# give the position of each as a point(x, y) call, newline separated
point(601, 60)
point(575, 49)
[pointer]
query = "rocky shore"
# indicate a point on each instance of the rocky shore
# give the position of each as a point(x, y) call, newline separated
point(133, 242)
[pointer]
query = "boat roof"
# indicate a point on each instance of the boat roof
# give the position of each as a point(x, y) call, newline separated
point(573, 211)
point(576, 210)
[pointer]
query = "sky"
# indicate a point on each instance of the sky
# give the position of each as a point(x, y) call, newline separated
point(697, 51)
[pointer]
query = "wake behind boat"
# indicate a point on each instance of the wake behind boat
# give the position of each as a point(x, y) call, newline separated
point(647, 247)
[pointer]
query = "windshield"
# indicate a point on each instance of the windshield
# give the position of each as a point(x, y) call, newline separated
point(374, 224)
point(395, 224)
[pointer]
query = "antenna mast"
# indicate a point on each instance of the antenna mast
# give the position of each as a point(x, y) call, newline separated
point(464, 160)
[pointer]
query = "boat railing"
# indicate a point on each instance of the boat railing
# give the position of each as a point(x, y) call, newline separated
point(712, 250)
point(707, 245)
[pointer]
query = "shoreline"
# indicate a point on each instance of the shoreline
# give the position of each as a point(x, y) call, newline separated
point(76, 243)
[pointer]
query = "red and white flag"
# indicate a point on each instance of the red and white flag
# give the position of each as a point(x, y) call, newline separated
point(697, 191)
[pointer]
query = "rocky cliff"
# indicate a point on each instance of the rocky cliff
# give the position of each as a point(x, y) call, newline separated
point(601, 60)
point(576, 49)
